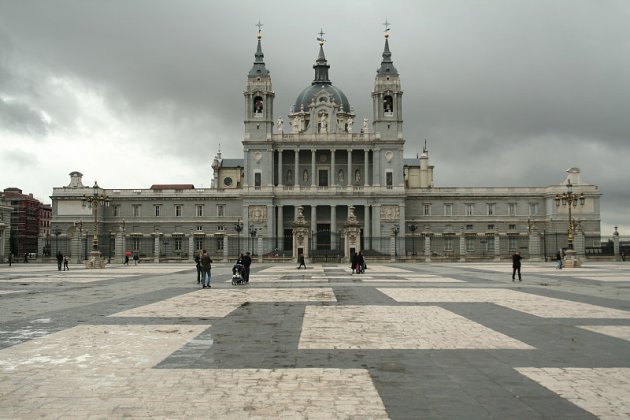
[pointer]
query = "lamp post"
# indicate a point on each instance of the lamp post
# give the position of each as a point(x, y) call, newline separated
point(57, 232)
point(413, 228)
point(571, 199)
point(252, 233)
point(395, 231)
point(94, 201)
point(238, 227)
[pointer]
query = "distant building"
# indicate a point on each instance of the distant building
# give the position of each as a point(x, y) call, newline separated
point(5, 229)
point(328, 185)
point(25, 221)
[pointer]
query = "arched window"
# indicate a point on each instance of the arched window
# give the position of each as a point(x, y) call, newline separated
point(258, 105)
point(388, 104)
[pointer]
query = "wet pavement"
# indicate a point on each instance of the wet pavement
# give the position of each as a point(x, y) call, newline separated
point(402, 341)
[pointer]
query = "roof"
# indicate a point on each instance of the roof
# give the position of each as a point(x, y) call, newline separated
point(411, 162)
point(232, 163)
point(172, 187)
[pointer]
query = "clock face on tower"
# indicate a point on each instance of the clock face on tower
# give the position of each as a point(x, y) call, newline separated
point(227, 181)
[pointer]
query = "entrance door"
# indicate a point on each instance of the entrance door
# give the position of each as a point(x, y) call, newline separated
point(323, 236)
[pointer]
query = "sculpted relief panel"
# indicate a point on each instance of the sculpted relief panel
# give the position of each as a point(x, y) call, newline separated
point(257, 214)
point(390, 213)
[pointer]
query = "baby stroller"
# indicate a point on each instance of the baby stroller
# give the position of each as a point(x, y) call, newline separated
point(237, 273)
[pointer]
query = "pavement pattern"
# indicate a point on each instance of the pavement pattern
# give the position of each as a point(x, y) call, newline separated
point(401, 341)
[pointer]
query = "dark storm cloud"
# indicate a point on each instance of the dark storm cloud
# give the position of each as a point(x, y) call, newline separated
point(506, 92)
point(20, 117)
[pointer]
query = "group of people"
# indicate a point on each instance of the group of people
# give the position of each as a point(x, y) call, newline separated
point(62, 260)
point(357, 263)
point(203, 262)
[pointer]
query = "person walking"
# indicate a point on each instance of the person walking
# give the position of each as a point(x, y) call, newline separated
point(198, 265)
point(65, 263)
point(247, 262)
point(206, 264)
point(301, 261)
point(559, 259)
point(516, 265)
point(59, 260)
point(136, 258)
point(10, 259)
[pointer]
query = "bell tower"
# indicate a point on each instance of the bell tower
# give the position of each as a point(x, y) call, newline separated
point(258, 98)
point(387, 97)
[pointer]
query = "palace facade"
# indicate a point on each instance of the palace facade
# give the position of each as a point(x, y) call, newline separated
point(325, 185)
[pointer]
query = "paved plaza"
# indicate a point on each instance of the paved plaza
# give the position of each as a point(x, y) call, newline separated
point(402, 341)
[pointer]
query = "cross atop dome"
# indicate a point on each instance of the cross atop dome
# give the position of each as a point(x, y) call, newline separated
point(320, 38)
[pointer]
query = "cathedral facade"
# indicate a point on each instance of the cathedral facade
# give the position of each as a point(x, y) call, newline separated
point(323, 184)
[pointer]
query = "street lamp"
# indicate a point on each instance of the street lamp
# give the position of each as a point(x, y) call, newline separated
point(57, 232)
point(238, 227)
point(252, 233)
point(571, 199)
point(93, 202)
point(413, 228)
point(395, 231)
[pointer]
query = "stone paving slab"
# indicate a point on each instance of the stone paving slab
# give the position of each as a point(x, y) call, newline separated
point(403, 341)
point(541, 306)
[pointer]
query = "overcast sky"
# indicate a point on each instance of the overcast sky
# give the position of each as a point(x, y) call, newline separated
point(133, 93)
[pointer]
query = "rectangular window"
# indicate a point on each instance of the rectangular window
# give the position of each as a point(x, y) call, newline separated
point(470, 209)
point(490, 227)
point(448, 244)
point(511, 227)
point(427, 209)
point(220, 228)
point(136, 244)
point(199, 244)
point(511, 209)
point(178, 210)
point(199, 210)
point(116, 211)
point(533, 209)
point(470, 244)
point(220, 243)
point(178, 244)
point(389, 180)
point(199, 228)
point(158, 211)
point(469, 227)
point(220, 210)
point(257, 180)
point(448, 209)
point(491, 209)
point(490, 244)
point(136, 210)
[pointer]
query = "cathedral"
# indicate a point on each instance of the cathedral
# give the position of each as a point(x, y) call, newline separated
point(324, 185)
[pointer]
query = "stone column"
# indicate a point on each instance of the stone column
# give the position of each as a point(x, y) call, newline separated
point(259, 248)
point(156, 247)
point(270, 220)
point(76, 248)
point(376, 167)
point(350, 175)
point(333, 170)
point(365, 168)
point(296, 172)
point(367, 231)
point(427, 248)
point(333, 226)
point(497, 247)
point(462, 247)
point(313, 181)
point(534, 246)
point(280, 228)
point(280, 172)
point(191, 246)
point(578, 244)
point(314, 225)
point(376, 225)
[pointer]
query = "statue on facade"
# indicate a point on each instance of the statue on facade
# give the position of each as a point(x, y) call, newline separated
point(280, 125)
point(349, 124)
point(365, 128)
point(323, 121)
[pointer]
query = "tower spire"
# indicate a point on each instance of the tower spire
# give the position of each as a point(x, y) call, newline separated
point(321, 65)
point(387, 65)
point(259, 69)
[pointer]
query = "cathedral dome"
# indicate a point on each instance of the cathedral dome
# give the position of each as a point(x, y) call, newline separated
point(311, 93)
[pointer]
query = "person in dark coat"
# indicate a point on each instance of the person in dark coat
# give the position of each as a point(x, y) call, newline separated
point(59, 260)
point(301, 261)
point(516, 265)
point(246, 260)
point(198, 265)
